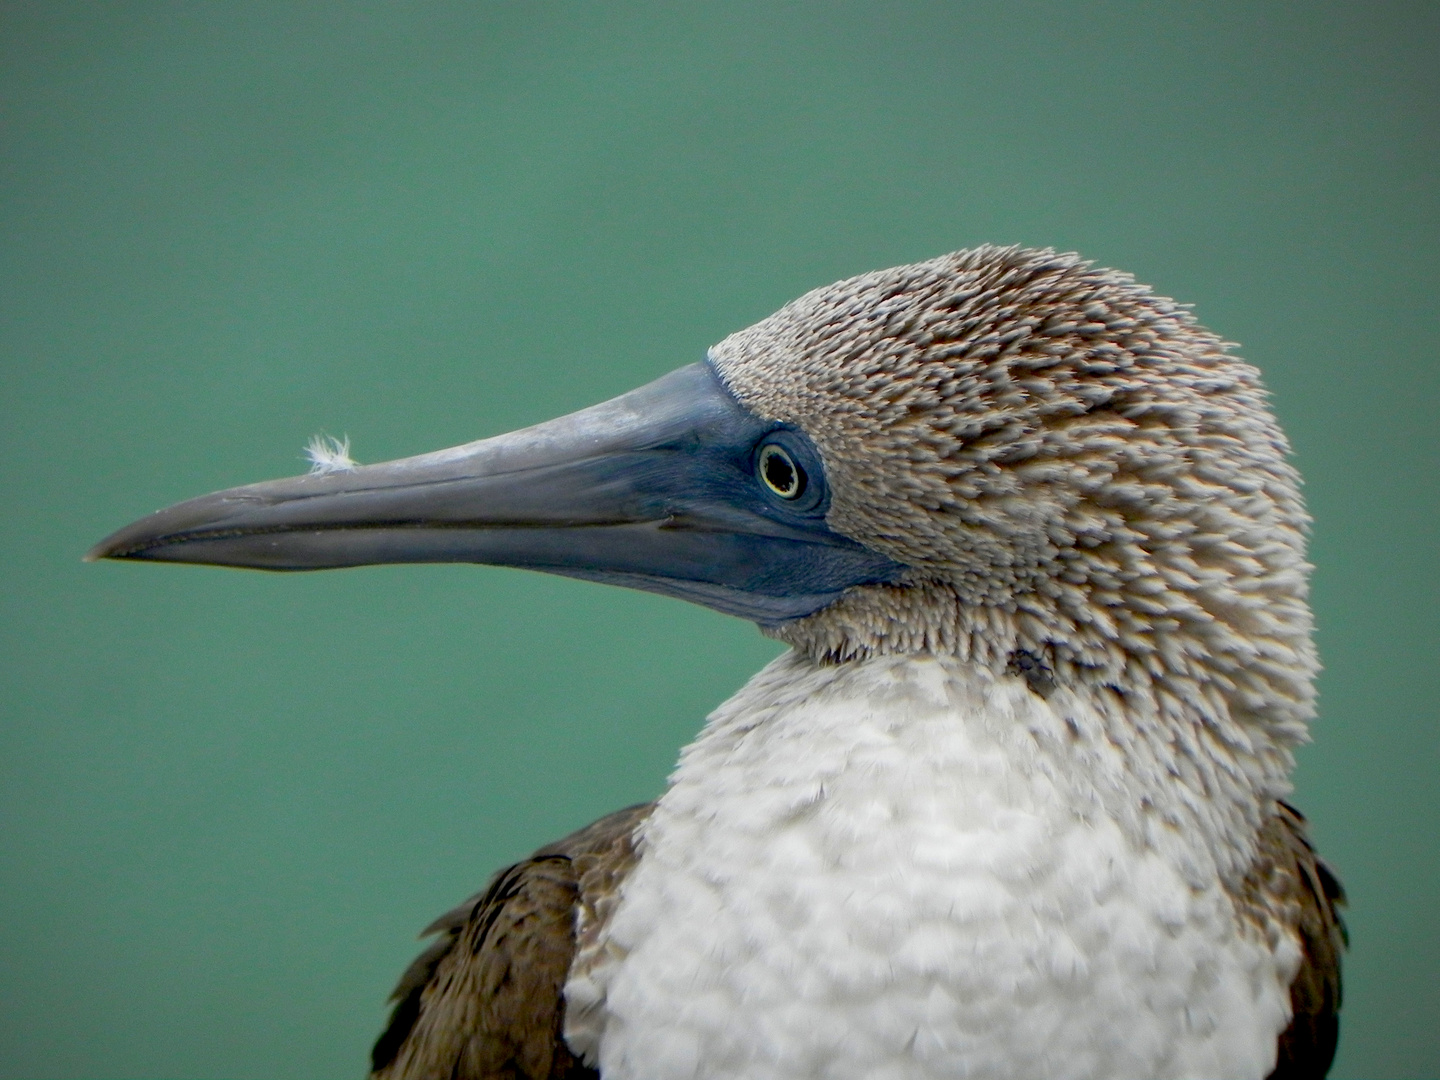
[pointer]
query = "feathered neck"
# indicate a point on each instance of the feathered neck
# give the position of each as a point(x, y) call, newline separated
point(1220, 722)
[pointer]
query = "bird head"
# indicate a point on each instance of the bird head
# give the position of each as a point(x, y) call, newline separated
point(1002, 454)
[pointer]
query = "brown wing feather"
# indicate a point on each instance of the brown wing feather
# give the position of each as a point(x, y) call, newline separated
point(484, 1001)
point(1312, 895)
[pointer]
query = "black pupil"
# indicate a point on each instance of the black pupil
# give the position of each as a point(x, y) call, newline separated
point(781, 474)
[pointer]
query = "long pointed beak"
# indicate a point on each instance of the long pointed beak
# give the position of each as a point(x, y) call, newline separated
point(654, 489)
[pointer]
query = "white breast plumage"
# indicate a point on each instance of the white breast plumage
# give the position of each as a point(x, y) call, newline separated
point(877, 869)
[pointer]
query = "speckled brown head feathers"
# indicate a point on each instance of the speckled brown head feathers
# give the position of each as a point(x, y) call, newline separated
point(1071, 466)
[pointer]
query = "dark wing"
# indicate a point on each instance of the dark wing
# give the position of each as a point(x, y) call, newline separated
point(484, 1001)
point(1313, 895)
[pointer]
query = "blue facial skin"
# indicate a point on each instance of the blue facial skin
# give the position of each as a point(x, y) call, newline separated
point(659, 489)
point(725, 538)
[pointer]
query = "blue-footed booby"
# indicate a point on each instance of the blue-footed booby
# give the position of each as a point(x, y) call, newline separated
point(1012, 803)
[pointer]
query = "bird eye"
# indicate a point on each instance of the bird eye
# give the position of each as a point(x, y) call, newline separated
point(780, 472)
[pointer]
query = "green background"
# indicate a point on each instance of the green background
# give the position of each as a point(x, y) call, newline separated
point(229, 800)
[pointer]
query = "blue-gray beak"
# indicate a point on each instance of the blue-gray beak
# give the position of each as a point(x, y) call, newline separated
point(675, 488)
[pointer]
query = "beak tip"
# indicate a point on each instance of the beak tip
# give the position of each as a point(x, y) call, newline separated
point(105, 549)
point(118, 545)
